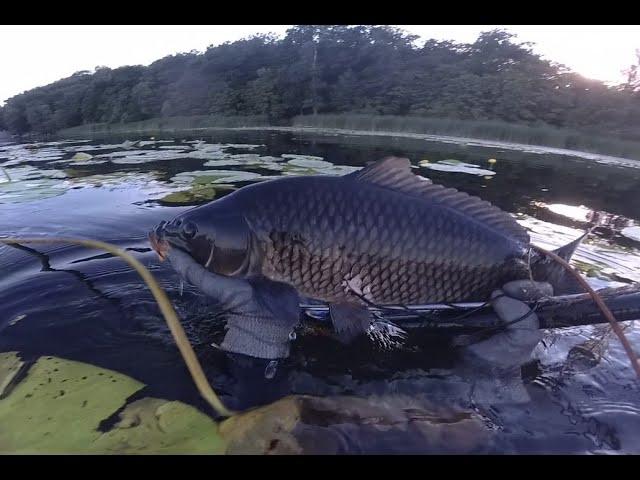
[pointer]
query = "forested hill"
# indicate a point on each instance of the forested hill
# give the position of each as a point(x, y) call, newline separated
point(338, 69)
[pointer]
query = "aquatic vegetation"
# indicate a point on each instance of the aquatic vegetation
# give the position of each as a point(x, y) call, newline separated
point(85, 178)
point(310, 165)
point(457, 166)
point(215, 176)
point(173, 147)
point(246, 159)
point(17, 154)
point(245, 146)
point(28, 183)
point(31, 424)
point(91, 148)
point(153, 425)
point(306, 159)
point(196, 194)
point(10, 365)
point(59, 406)
point(81, 157)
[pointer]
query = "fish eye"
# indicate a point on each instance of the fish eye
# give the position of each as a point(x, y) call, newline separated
point(189, 230)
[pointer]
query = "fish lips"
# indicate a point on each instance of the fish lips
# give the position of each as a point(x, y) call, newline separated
point(162, 239)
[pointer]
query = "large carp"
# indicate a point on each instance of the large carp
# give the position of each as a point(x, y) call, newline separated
point(381, 235)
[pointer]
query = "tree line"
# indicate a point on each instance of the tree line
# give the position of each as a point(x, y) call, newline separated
point(339, 69)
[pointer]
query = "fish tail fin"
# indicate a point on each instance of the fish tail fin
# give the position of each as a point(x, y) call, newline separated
point(545, 269)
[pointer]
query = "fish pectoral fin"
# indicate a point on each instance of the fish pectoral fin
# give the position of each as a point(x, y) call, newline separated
point(349, 320)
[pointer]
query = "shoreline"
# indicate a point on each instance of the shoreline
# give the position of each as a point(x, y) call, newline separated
point(468, 141)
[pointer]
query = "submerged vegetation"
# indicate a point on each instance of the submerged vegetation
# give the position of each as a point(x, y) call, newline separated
point(500, 88)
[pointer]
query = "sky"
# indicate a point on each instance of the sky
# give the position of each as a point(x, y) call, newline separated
point(35, 55)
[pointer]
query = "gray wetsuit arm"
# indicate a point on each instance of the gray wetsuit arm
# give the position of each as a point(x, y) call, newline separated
point(228, 291)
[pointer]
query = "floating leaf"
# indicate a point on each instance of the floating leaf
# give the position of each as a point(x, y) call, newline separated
point(312, 425)
point(81, 157)
point(244, 159)
point(10, 365)
point(457, 166)
point(57, 408)
point(29, 183)
point(153, 425)
point(309, 163)
point(293, 156)
point(216, 176)
point(60, 404)
point(197, 193)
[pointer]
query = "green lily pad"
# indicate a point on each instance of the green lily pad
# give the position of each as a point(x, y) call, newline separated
point(81, 157)
point(10, 365)
point(293, 156)
point(243, 159)
point(309, 163)
point(57, 408)
point(197, 193)
point(153, 425)
point(456, 166)
point(216, 176)
point(60, 404)
point(326, 168)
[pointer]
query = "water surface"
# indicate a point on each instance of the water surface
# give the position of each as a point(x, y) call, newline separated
point(85, 305)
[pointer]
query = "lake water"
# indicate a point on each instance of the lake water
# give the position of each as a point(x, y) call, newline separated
point(85, 305)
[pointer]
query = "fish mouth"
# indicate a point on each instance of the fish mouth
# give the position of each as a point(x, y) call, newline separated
point(163, 239)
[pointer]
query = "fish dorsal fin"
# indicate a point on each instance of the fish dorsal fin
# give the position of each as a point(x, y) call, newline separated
point(395, 174)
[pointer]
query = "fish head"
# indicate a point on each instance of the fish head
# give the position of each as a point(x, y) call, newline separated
point(219, 241)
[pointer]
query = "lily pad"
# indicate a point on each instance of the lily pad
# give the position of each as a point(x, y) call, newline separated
point(294, 156)
point(60, 405)
point(26, 183)
point(81, 157)
point(309, 163)
point(457, 166)
point(314, 167)
point(153, 425)
point(216, 176)
point(197, 193)
point(57, 408)
point(10, 365)
point(246, 146)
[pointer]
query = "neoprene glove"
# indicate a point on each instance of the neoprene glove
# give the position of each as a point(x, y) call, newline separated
point(513, 344)
point(261, 315)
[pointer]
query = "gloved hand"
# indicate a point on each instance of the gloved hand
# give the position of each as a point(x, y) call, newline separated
point(261, 315)
point(494, 363)
point(513, 344)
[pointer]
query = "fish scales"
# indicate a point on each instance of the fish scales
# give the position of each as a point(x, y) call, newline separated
point(385, 245)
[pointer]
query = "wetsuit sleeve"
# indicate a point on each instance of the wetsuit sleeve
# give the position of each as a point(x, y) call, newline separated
point(225, 289)
point(514, 344)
